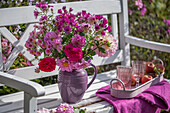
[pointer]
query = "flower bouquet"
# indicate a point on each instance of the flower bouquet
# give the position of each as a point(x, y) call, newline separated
point(69, 40)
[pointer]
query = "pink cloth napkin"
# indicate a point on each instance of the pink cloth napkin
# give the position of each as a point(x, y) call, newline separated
point(152, 100)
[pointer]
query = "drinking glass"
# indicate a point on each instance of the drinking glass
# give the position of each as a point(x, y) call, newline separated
point(124, 73)
point(138, 70)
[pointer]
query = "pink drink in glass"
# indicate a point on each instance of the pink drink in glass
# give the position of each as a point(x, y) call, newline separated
point(124, 73)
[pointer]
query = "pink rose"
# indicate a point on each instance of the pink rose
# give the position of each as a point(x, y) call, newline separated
point(73, 54)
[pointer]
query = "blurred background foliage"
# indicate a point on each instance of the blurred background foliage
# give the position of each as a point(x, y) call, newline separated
point(149, 20)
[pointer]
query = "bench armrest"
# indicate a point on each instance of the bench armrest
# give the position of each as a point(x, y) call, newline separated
point(32, 88)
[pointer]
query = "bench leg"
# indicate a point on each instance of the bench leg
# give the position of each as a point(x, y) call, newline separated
point(30, 104)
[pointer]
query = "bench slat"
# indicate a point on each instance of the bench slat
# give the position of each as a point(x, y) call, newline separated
point(29, 72)
point(148, 44)
point(20, 15)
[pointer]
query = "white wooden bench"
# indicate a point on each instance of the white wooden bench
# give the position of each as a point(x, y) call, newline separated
point(32, 96)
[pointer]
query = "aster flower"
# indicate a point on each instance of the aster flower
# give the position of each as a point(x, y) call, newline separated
point(47, 51)
point(97, 27)
point(64, 64)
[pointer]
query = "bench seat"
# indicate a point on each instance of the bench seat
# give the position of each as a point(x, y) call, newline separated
point(52, 99)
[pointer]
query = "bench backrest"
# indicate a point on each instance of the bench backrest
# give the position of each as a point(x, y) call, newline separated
point(24, 15)
point(114, 8)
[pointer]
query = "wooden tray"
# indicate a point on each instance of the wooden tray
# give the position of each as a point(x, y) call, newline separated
point(130, 93)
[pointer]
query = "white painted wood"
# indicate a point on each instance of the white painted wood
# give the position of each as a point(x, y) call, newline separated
point(20, 15)
point(30, 104)
point(94, 107)
point(18, 48)
point(124, 30)
point(1, 60)
point(114, 24)
point(148, 44)
point(108, 109)
point(22, 84)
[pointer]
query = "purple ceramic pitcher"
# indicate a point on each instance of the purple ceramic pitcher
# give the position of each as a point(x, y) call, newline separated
point(72, 85)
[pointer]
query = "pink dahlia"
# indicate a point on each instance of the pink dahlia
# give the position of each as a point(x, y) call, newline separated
point(78, 41)
point(73, 53)
point(65, 108)
point(64, 64)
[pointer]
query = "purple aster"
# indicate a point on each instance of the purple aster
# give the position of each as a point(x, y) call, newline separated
point(43, 18)
point(60, 11)
point(64, 7)
point(67, 29)
point(49, 46)
point(38, 53)
point(30, 39)
point(39, 42)
point(78, 41)
point(47, 51)
point(36, 13)
point(70, 10)
point(98, 17)
point(43, 46)
point(102, 33)
point(83, 12)
point(32, 52)
point(109, 28)
point(65, 108)
point(30, 45)
point(97, 27)
point(105, 21)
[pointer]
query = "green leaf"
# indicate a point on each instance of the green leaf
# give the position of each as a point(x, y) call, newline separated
point(102, 50)
point(82, 34)
point(93, 53)
point(108, 44)
point(97, 42)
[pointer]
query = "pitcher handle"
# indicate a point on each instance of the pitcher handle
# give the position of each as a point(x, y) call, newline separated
point(94, 76)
